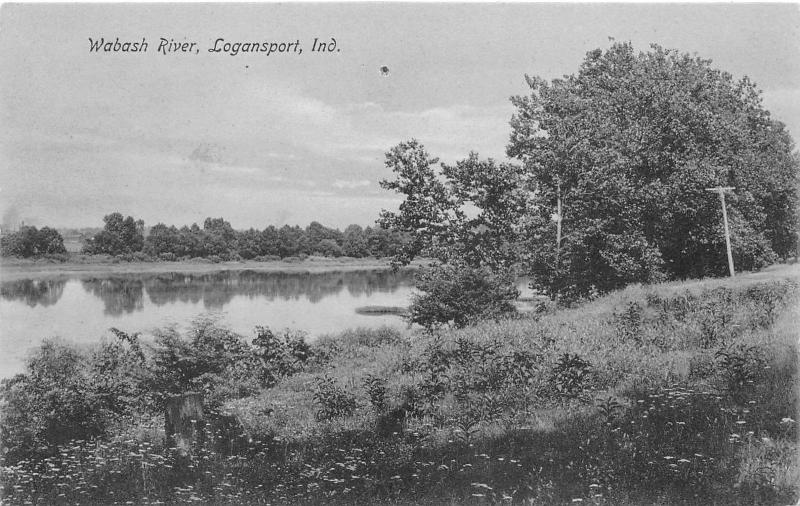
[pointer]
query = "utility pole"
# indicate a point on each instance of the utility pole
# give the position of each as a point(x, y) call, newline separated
point(721, 190)
point(558, 241)
point(558, 225)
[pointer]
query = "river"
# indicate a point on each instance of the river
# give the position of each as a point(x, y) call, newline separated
point(82, 308)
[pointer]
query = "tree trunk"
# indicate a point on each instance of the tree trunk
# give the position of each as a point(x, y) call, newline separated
point(183, 421)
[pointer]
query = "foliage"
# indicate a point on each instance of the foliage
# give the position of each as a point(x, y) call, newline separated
point(376, 390)
point(333, 401)
point(217, 239)
point(570, 375)
point(741, 366)
point(457, 295)
point(629, 144)
point(51, 404)
point(468, 212)
point(279, 355)
point(478, 419)
point(28, 242)
point(119, 235)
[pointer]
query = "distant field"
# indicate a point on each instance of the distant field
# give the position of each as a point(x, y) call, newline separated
point(13, 269)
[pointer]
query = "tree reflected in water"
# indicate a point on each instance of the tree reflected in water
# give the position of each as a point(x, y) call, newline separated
point(120, 295)
point(217, 289)
point(34, 292)
point(124, 294)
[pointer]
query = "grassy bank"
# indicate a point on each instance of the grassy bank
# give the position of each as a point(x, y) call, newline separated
point(13, 269)
point(675, 393)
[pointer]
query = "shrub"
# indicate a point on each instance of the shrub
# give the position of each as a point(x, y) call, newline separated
point(458, 295)
point(570, 375)
point(280, 354)
point(333, 400)
point(629, 323)
point(740, 367)
point(49, 404)
point(376, 390)
point(116, 371)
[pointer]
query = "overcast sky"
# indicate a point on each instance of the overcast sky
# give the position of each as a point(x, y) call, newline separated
point(281, 139)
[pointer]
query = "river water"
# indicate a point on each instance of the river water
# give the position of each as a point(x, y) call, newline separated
point(82, 309)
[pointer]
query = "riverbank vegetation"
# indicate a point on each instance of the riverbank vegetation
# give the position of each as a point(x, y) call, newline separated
point(126, 239)
point(615, 164)
point(631, 385)
point(682, 392)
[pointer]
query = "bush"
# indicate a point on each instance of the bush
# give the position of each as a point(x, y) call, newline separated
point(376, 390)
point(29, 241)
point(457, 295)
point(740, 367)
point(570, 375)
point(333, 400)
point(280, 354)
point(51, 403)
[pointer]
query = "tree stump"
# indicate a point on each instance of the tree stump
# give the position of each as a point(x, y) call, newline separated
point(183, 421)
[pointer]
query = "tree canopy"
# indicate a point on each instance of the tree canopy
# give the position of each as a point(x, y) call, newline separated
point(470, 211)
point(630, 143)
point(28, 242)
point(626, 148)
point(119, 235)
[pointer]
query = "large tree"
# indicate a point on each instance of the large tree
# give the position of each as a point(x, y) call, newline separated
point(465, 215)
point(628, 145)
point(470, 211)
point(119, 235)
point(29, 241)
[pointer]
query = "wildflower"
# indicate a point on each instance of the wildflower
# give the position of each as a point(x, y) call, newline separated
point(481, 485)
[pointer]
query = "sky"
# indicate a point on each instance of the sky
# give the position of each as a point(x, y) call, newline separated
point(293, 138)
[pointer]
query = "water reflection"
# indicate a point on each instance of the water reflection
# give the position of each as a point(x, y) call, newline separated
point(125, 294)
point(119, 295)
point(217, 289)
point(33, 292)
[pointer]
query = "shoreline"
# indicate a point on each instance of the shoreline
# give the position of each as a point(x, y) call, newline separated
point(16, 270)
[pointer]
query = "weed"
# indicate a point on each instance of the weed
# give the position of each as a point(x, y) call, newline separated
point(333, 400)
point(629, 323)
point(741, 366)
point(570, 375)
point(376, 390)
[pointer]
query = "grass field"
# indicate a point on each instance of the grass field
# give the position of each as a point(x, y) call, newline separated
point(678, 393)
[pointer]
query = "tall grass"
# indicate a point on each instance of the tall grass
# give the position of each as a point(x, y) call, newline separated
point(662, 394)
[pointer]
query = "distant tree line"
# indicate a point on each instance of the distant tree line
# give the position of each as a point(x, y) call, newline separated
point(28, 242)
point(215, 240)
point(218, 239)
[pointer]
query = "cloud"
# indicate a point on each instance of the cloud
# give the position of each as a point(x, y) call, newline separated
point(350, 184)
